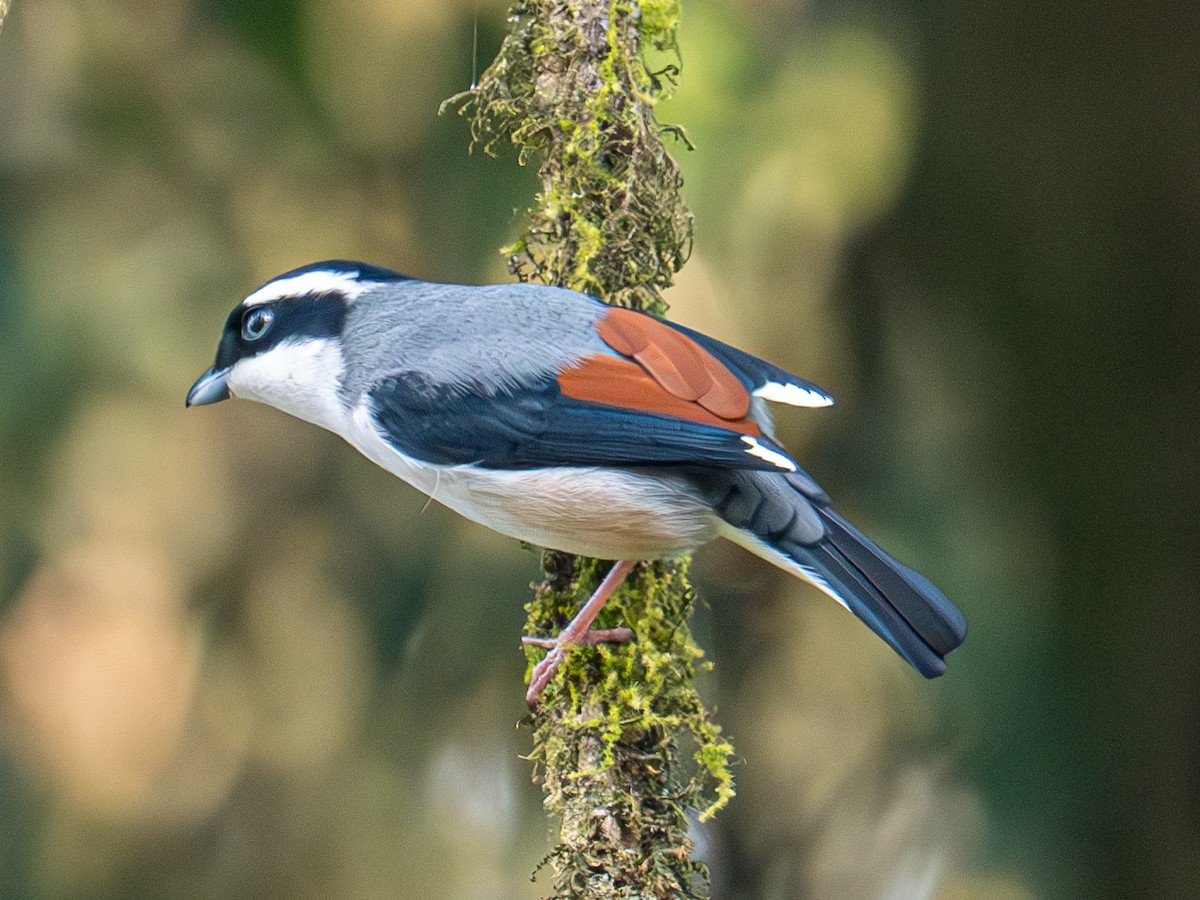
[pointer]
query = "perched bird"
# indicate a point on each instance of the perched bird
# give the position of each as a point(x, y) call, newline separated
point(559, 420)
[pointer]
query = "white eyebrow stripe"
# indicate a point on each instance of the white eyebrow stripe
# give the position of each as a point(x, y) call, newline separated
point(316, 282)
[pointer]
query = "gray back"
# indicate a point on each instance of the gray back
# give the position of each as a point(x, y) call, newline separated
point(489, 338)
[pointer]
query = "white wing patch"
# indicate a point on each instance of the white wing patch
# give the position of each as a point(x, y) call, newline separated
point(317, 282)
point(794, 394)
point(774, 457)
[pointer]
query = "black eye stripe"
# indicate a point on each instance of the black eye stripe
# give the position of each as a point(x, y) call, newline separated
point(313, 316)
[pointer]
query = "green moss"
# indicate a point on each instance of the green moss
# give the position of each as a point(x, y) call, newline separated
point(623, 745)
point(616, 726)
point(610, 218)
point(660, 20)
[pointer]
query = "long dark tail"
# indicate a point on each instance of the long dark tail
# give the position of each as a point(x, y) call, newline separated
point(787, 520)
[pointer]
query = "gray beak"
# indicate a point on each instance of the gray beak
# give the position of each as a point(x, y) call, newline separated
point(211, 387)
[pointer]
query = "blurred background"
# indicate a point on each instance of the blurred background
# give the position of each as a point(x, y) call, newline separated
point(236, 660)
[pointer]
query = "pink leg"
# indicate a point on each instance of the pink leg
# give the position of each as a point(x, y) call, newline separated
point(577, 631)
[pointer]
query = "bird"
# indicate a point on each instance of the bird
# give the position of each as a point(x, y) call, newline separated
point(568, 423)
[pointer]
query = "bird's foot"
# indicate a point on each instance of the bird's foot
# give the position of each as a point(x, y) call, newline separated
point(545, 670)
point(578, 631)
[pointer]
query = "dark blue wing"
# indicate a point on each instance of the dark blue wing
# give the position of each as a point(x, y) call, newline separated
point(536, 426)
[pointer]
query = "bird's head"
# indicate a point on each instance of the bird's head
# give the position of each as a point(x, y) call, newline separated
point(282, 345)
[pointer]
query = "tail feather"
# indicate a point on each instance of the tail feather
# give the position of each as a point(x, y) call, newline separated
point(938, 621)
point(896, 602)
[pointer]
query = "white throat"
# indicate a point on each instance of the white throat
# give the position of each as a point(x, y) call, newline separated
point(300, 377)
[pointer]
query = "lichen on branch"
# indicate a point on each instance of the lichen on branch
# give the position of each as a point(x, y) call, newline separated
point(571, 88)
point(622, 742)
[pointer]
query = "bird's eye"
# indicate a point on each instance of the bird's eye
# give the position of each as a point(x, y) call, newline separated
point(256, 322)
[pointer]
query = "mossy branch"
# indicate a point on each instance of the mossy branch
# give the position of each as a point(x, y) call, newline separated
point(623, 744)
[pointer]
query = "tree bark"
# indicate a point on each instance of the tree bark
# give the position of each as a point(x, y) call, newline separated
point(623, 745)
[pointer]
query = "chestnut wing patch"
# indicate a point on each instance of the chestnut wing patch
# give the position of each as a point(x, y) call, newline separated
point(682, 360)
point(624, 384)
point(677, 363)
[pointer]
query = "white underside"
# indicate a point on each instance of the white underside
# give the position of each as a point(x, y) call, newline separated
point(602, 512)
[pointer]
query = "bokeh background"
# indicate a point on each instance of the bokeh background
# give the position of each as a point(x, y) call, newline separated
point(238, 661)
